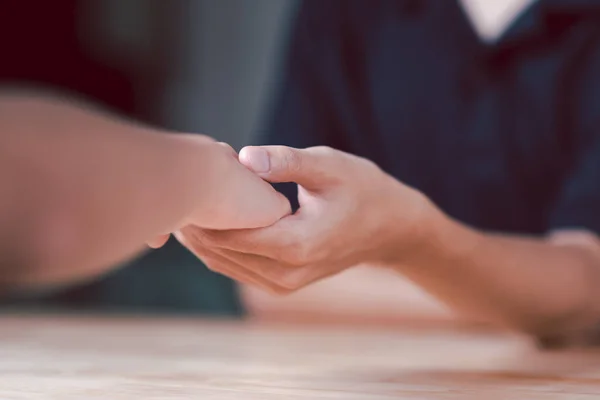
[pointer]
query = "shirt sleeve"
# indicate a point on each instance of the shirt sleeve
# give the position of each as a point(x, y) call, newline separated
point(578, 201)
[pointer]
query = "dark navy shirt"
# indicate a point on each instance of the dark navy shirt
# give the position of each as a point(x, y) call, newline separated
point(502, 136)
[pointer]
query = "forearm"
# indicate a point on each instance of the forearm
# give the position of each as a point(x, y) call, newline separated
point(90, 188)
point(528, 284)
point(362, 293)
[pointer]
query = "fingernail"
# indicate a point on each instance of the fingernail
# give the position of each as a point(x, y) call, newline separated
point(256, 159)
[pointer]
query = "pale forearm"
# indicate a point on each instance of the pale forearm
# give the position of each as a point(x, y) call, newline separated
point(362, 293)
point(528, 284)
point(93, 186)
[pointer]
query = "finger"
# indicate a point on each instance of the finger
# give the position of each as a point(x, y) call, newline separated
point(281, 278)
point(158, 242)
point(257, 271)
point(285, 277)
point(218, 262)
point(276, 241)
point(313, 168)
point(213, 261)
point(575, 237)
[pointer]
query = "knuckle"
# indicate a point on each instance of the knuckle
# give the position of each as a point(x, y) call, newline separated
point(324, 150)
point(369, 163)
point(291, 159)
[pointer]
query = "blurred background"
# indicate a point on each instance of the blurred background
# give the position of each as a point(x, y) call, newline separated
point(227, 66)
point(189, 65)
point(390, 81)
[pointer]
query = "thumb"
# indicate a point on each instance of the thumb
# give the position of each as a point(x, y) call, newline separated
point(312, 168)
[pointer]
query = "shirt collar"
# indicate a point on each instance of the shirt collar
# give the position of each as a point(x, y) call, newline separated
point(534, 21)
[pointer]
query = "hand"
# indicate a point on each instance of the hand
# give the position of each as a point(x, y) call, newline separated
point(350, 212)
point(236, 198)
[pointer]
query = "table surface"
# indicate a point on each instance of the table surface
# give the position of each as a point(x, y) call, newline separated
point(134, 358)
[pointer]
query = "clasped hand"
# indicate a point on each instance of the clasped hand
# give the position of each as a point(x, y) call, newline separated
point(351, 212)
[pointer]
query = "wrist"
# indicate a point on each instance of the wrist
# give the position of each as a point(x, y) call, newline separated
point(447, 241)
point(190, 171)
point(432, 238)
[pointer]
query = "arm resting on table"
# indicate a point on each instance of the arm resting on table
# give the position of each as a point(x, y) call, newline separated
point(544, 287)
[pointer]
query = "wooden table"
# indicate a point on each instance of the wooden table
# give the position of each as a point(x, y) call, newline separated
point(133, 358)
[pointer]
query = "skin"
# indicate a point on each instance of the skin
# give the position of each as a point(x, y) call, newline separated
point(360, 295)
point(353, 213)
point(84, 190)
